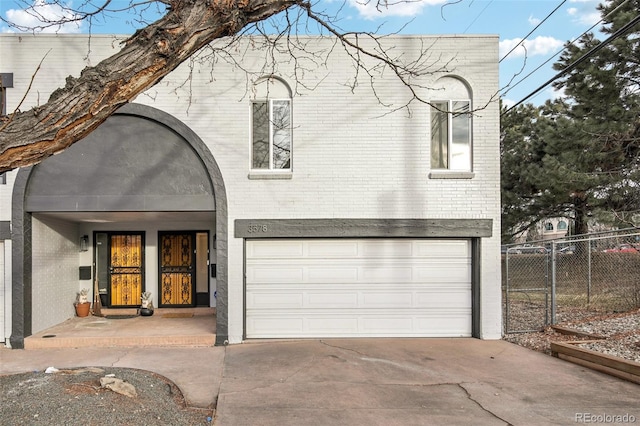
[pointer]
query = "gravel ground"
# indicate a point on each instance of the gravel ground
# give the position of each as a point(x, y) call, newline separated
point(621, 332)
point(75, 397)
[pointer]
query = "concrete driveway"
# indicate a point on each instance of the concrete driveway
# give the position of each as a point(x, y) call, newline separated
point(413, 382)
point(368, 382)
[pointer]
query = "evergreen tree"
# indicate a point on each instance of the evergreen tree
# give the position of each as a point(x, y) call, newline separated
point(578, 156)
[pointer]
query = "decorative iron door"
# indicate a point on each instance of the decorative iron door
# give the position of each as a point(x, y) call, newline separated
point(125, 269)
point(176, 269)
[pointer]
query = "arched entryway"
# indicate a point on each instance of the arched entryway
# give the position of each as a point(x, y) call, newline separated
point(142, 172)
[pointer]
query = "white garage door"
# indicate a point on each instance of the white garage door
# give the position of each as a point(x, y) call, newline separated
point(358, 288)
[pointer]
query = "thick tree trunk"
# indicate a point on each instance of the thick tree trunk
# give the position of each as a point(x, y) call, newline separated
point(150, 54)
point(581, 210)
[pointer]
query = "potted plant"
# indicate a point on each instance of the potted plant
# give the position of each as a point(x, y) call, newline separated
point(146, 308)
point(82, 303)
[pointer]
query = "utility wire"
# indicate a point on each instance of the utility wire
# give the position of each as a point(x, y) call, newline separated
point(578, 61)
point(476, 18)
point(533, 30)
point(561, 50)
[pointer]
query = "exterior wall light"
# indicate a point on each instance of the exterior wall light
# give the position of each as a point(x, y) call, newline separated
point(84, 243)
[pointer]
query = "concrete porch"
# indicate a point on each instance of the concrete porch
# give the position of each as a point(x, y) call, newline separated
point(186, 327)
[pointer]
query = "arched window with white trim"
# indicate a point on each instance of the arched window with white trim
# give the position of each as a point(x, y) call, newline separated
point(451, 126)
point(271, 132)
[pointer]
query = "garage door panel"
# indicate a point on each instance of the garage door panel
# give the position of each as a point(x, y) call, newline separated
point(439, 324)
point(386, 274)
point(266, 249)
point(270, 327)
point(357, 288)
point(329, 300)
point(386, 324)
point(386, 299)
point(452, 298)
point(274, 300)
point(387, 249)
point(335, 326)
point(274, 274)
point(323, 249)
point(365, 271)
point(333, 273)
point(345, 295)
point(445, 273)
point(442, 248)
point(447, 324)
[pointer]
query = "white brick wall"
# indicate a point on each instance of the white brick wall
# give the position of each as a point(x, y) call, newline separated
point(5, 298)
point(5, 196)
point(3, 292)
point(352, 157)
point(55, 272)
point(5, 259)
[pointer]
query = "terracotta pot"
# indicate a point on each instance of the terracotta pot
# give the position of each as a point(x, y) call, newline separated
point(82, 309)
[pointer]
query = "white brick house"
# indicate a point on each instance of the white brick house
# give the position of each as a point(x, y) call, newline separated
point(322, 212)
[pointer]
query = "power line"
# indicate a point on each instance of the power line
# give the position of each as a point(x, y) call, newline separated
point(476, 18)
point(533, 30)
point(561, 50)
point(578, 61)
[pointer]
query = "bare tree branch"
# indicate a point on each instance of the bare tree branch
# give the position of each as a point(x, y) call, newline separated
point(17, 108)
point(150, 54)
point(185, 34)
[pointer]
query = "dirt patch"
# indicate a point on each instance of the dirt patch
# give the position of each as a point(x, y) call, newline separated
point(69, 397)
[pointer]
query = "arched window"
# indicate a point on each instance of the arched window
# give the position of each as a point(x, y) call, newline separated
point(271, 133)
point(451, 126)
point(548, 226)
point(562, 225)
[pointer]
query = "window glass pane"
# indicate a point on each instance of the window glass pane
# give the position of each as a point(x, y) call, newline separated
point(461, 136)
point(439, 136)
point(562, 225)
point(281, 117)
point(260, 135)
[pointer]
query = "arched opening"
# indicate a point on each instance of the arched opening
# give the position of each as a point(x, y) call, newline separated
point(271, 125)
point(451, 135)
point(141, 173)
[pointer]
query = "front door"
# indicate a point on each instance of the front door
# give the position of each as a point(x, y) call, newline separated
point(177, 263)
point(126, 262)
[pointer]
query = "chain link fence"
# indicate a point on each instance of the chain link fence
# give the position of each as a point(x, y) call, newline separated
point(546, 281)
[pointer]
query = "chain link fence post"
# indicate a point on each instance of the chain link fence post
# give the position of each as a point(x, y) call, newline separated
point(589, 264)
point(553, 284)
point(547, 281)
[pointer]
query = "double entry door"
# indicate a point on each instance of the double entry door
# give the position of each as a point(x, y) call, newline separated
point(182, 268)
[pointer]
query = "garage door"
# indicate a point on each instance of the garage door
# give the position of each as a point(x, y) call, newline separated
point(358, 288)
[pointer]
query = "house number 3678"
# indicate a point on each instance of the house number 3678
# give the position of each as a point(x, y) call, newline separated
point(257, 228)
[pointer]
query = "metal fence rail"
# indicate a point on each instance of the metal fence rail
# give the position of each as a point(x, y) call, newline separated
point(544, 281)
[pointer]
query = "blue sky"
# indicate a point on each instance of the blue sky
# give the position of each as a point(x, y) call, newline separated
point(512, 20)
